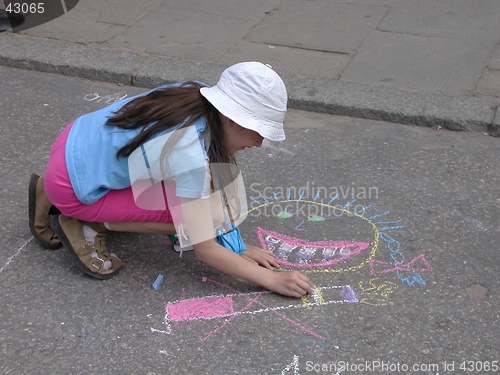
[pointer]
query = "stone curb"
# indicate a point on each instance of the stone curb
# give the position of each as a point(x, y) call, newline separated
point(311, 94)
point(403, 107)
point(495, 126)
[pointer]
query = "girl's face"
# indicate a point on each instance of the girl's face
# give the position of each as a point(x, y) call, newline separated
point(237, 138)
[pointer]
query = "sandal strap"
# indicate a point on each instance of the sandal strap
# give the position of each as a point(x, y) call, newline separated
point(117, 263)
point(86, 249)
point(90, 256)
point(97, 248)
point(97, 263)
point(100, 245)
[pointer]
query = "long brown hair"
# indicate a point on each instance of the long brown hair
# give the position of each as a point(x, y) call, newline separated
point(166, 108)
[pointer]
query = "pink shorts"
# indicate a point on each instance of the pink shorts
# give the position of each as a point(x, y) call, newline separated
point(115, 206)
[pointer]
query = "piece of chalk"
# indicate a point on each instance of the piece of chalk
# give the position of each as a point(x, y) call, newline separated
point(157, 282)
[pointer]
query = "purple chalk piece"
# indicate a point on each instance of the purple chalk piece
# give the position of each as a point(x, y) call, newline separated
point(348, 294)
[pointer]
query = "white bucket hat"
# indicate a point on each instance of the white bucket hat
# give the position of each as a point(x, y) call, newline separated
point(252, 95)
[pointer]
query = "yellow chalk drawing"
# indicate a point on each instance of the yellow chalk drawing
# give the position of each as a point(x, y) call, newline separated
point(317, 297)
point(370, 253)
point(376, 295)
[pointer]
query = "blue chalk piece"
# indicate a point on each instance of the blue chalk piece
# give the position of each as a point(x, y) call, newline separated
point(157, 282)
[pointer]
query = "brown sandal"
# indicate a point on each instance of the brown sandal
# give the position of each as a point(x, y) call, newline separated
point(89, 256)
point(40, 210)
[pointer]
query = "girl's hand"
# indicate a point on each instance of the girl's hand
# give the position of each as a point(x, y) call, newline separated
point(263, 257)
point(292, 283)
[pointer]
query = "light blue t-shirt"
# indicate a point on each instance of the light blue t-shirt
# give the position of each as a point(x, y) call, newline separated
point(94, 168)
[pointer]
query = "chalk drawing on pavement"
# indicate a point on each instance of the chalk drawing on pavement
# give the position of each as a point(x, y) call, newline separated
point(335, 254)
point(293, 367)
point(373, 253)
point(106, 99)
point(228, 307)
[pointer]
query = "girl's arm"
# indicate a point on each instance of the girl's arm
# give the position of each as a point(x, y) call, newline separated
point(260, 256)
point(289, 283)
point(198, 220)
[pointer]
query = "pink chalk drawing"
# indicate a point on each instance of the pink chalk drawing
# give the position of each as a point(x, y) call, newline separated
point(224, 306)
point(334, 255)
point(367, 234)
point(209, 307)
point(417, 264)
point(298, 253)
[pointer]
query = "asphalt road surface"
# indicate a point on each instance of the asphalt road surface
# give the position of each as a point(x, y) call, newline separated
point(397, 225)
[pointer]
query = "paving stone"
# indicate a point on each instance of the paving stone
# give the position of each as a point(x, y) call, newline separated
point(455, 19)
point(183, 34)
point(411, 62)
point(288, 60)
point(76, 31)
point(378, 3)
point(322, 25)
point(157, 70)
point(255, 9)
point(118, 12)
point(489, 84)
point(495, 127)
point(495, 59)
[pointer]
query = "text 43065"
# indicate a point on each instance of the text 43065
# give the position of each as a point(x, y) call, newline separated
point(25, 8)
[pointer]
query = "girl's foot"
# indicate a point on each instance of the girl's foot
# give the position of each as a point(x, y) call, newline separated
point(86, 242)
point(40, 210)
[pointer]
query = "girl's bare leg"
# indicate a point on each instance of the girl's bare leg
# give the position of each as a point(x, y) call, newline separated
point(143, 227)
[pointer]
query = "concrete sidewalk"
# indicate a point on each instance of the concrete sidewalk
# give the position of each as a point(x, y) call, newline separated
point(430, 63)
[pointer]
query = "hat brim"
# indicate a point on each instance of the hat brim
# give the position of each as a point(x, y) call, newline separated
point(268, 129)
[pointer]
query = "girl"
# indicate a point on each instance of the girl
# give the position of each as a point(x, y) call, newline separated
point(112, 170)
